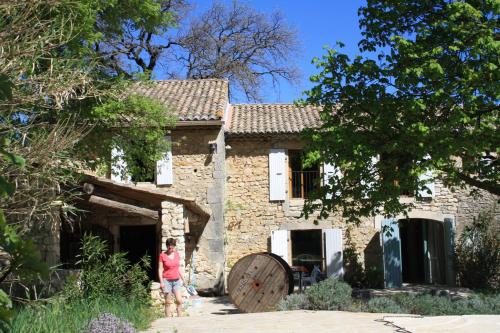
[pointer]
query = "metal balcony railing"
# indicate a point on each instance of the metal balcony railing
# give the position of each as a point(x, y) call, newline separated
point(303, 183)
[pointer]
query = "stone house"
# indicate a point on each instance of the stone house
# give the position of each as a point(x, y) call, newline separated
point(232, 184)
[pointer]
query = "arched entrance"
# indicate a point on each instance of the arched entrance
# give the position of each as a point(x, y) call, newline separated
point(422, 251)
point(418, 250)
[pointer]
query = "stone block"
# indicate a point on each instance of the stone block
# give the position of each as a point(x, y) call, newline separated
point(214, 194)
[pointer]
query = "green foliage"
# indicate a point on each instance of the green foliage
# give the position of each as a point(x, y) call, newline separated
point(108, 283)
point(335, 295)
point(61, 315)
point(429, 305)
point(105, 275)
point(383, 305)
point(356, 274)
point(6, 312)
point(128, 118)
point(329, 294)
point(423, 92)
point(478, 253)
point(21, 258)
point(294, 302)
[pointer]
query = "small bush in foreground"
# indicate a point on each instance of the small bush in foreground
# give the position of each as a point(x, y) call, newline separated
point(383, 305)
point(330, 294)
point(478, 253)
point(333, 295)
point(109, 323)
point(294, 302)
point(111, 275)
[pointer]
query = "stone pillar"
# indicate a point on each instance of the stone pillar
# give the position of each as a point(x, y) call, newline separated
point(172, 226)
point(214, 230)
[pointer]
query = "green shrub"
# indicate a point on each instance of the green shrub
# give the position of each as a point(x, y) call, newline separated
point(493, 302)
point(478, 253)
point(383, 305)
point(329, 294)
point(294, 302)
point(438, 306)
point(110, 275)
point(428, 305)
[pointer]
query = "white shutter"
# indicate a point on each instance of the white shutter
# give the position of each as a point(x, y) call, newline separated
point(427, 179)
point(279, 244)
point(373, 162)
point(429, 191)
point(277, 175)
point(118, 166)
point(333, 252)
point(329, 170)
point(164, 169)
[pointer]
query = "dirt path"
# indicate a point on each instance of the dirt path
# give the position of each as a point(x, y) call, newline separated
point(216, 315)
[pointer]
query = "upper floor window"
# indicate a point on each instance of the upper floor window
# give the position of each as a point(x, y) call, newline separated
point(302, 180)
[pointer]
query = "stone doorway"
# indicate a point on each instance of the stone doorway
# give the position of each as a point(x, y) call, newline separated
point(422, 251)
point(307, 248)
point(138, 241)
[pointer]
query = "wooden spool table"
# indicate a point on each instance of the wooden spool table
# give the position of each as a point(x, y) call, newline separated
point(257, 282)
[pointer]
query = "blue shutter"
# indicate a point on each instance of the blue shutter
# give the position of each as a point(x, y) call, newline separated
point(449, 250)
point(391, 244)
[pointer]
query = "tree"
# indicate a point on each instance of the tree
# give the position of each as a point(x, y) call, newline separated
point(233, 42)
point(421, 98)
point(55, 96)
point(62, 111)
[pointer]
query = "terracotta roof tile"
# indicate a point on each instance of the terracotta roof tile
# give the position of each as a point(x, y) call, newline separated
point(255, 119)
point(190, 99)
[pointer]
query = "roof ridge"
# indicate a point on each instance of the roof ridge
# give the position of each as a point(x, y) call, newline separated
point(184, 80)
point(238, 104)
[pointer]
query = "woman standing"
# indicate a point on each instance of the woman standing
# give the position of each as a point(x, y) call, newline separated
point(170, 275)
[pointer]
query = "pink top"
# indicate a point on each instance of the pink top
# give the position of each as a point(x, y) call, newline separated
point(170, 266)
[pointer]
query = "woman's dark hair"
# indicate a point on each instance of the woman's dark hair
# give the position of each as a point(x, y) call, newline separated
point(170, 241)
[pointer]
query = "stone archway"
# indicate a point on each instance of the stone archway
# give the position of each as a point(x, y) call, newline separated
point(422, 250)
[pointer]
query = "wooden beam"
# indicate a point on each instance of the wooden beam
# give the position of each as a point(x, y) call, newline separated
point(131, 209)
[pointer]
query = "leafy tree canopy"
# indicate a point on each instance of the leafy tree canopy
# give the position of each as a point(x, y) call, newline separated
point(422, 97)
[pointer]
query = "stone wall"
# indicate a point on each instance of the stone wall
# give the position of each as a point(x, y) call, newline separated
point(199, 173)
point(251, 217)
point(172, 226)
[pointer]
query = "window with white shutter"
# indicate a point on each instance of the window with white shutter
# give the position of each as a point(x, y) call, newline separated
point(277, 175)
point(429, 190)
point(164, 167)
point(329, 171)
point(279, 244)
point(118, 166)
point(333, 247)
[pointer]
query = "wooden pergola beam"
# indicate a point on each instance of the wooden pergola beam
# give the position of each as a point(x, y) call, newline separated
point(131, 209)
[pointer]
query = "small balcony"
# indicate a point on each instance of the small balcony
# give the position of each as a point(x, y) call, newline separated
point(302, 183)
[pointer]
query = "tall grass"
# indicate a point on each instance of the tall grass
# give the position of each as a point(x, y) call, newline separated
point(74, 316)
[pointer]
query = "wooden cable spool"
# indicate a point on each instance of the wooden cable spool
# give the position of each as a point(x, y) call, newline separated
point(257, 282)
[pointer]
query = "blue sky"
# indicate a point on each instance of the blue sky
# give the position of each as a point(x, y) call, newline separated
point(319, 23)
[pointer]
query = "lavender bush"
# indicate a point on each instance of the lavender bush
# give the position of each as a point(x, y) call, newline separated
point(109, 323)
